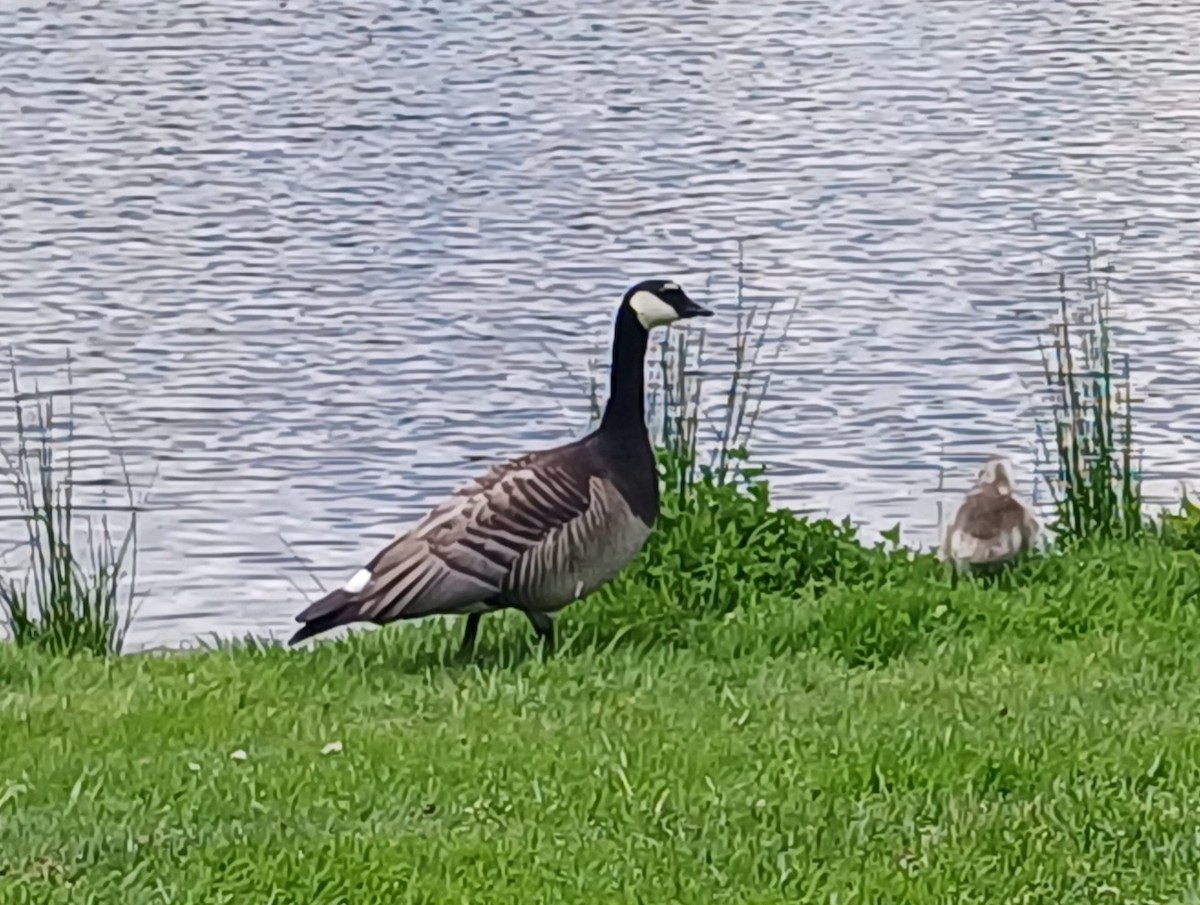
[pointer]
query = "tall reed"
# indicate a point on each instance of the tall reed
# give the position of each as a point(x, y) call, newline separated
point(69, 601)
point(1095, 487)
point(745, 379)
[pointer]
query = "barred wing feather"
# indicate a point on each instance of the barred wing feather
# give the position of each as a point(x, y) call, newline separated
point(460, 555)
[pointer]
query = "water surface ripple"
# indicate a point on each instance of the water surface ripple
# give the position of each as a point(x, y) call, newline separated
point(309, 258)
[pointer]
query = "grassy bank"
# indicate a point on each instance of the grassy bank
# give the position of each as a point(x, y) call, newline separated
point(762, 709)
point(780, 714)
point(1034, 745)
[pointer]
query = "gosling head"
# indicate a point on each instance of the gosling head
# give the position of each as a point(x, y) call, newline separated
point(657, 303)
point(995, 473)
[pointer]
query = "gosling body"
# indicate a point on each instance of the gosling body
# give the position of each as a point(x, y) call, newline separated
point(993, 526)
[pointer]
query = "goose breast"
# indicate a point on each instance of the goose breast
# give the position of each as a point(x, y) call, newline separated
point(578, 556)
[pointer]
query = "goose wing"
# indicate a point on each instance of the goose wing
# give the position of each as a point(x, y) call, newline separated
point(460, 554)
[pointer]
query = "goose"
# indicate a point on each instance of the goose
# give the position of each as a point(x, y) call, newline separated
point(535, 533)
point(993, 525)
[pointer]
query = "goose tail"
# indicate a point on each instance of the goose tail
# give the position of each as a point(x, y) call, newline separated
point(332, 610)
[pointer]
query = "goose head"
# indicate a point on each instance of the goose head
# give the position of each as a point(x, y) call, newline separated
point(657, 303)
point(995, 473)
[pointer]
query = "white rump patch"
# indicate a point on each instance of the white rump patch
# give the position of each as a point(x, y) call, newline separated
point(651, 310)
point(357, 582)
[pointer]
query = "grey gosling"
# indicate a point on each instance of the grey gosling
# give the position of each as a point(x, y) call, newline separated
point(993, 526)
point(536, 533)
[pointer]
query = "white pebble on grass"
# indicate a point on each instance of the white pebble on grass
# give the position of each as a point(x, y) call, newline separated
point(332, 748)
point(239, 754)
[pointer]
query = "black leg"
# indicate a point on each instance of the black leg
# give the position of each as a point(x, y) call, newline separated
point(468, 642)
point(543, 624)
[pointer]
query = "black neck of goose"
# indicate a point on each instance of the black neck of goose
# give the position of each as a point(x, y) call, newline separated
point(625, 413)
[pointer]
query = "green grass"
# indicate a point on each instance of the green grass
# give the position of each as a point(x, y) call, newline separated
point(1036, 745)
point(1182, 529)
point(761, 709)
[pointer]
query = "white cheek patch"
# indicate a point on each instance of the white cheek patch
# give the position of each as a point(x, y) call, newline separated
point(651, 310)
point(357, 582)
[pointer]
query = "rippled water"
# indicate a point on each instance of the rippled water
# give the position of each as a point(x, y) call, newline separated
point(311, 259)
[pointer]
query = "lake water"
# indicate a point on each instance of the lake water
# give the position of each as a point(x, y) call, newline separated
point(317, 263)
